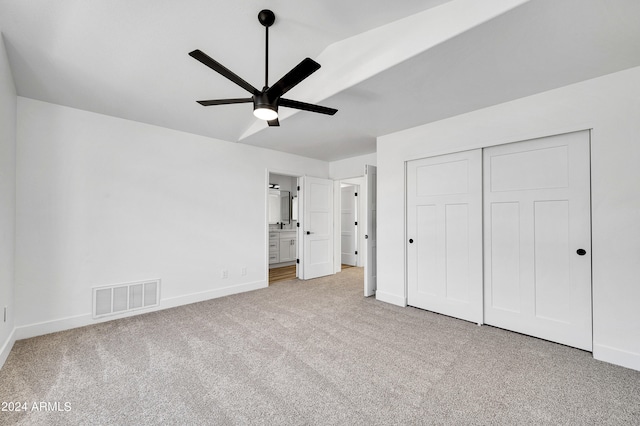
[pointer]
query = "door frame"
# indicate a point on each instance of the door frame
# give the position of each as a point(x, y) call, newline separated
point(266, 220)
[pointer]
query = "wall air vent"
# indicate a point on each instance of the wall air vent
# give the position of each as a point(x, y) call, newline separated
point(121, 298)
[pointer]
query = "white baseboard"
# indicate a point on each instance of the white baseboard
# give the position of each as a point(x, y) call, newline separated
point(68, 323)
point(212, 294)
point(616, 356)
point(391, 298)
point(6, 348)
point(53, 326)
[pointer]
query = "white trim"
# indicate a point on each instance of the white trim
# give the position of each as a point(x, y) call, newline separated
point(391, 298)
point(212, 294)
point(616, 356)
point(47, 327)
point(39, 329)
point(6, 348)
point(337, 227)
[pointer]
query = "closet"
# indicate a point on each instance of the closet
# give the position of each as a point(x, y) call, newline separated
point(501, 236)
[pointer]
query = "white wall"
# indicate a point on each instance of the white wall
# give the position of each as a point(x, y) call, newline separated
point(351, 167)
point(610, 105)
point(101, 200)
point(7, 201)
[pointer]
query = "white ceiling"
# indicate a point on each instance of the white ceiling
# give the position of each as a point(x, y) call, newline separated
point(386, 65)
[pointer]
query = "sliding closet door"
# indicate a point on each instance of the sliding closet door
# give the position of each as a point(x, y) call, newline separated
point(537, 238)
point(444, 234)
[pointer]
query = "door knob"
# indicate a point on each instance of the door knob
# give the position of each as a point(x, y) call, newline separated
point(309, 232)
point(410, 240)
point(581, 252)
point(366, 237)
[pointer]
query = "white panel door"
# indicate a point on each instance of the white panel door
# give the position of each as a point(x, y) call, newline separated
point(317, 227)
point(537, 219)
point(444, 230)
point(370, 268)
point(348, 234)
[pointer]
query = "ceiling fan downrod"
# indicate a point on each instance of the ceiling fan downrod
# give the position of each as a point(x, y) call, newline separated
point(266, 18)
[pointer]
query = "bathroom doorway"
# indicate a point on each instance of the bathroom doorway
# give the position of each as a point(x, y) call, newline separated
point(282, 220)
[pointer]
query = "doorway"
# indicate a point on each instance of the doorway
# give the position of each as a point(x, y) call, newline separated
point(300, 228)
point(349, 224)
point(366, 190)
point(282, 217)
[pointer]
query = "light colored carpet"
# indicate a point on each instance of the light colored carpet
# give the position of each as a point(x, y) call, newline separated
point(307, 353)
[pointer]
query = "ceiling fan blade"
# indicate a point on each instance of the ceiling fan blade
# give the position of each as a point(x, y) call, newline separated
point(301, 71)
point(307, 107)
point(224, 71)
point(274, 123)
point(225, 101)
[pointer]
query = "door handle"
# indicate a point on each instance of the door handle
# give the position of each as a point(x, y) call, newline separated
point(366, 237)
point(309, 232)
point(581, 252)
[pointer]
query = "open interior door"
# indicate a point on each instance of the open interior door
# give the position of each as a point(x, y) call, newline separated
point(316, 227)
point(370, 285)
point(348, 225)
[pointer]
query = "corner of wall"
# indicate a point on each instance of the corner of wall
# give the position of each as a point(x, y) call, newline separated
point(8, 125)
point(391, 298)
point(5, 350)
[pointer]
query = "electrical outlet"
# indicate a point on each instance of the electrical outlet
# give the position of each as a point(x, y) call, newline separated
point(243, 271)
point(224, 274)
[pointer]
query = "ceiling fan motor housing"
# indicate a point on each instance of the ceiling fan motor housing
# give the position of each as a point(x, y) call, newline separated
point(262, 101)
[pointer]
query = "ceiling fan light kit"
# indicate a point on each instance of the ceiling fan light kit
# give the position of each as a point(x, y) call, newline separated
point(264, 109)
point(267, 100)
point(266, 112)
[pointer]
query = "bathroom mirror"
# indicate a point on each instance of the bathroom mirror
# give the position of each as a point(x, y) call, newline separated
point(279, 207)
point(285, 207)
point(274, 206)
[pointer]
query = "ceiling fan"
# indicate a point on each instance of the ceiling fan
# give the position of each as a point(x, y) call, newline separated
point(267, 100)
